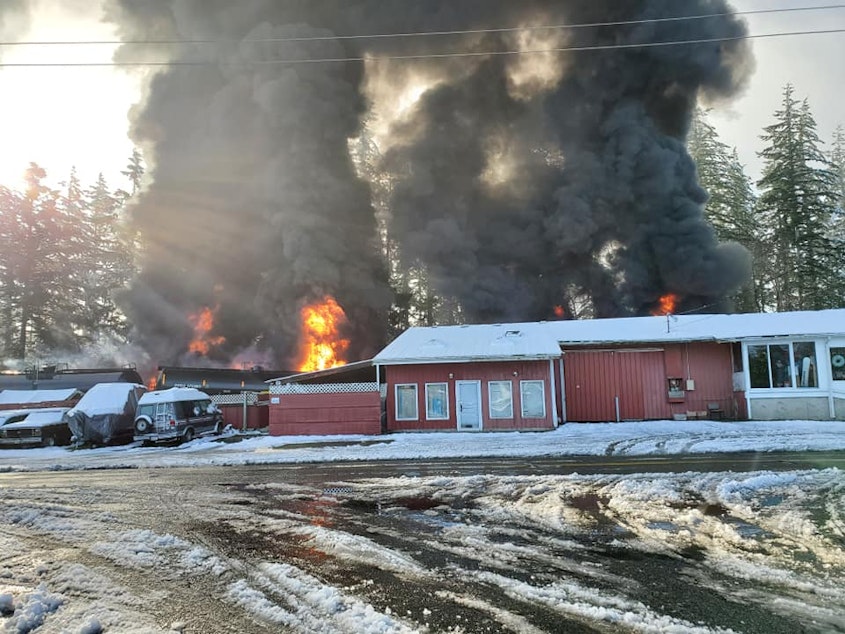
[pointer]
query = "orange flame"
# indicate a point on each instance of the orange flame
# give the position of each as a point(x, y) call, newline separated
point(559, 312)
point(203, 323)
point(666, 305)
point(322, 346)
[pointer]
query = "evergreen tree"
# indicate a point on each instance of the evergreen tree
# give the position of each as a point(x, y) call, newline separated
point(37, 290)
point(730, 204)
point(108, 262)
point(135, 171)
point(797, 202)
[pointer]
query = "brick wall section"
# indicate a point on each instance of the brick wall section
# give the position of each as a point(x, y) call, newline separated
point(325, 414)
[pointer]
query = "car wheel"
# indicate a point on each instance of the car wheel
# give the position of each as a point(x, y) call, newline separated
point(218, 428)
point(189, 435)
point(48, 441)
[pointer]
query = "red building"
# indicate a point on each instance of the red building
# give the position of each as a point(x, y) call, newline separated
point(534, 376)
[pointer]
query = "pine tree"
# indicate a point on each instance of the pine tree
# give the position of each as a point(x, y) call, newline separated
point(797, 201)
point(135, 171)
point(37, 290)
point(731, 202)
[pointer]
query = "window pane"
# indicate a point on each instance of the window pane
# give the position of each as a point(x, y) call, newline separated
point(406, 402)
point(501, 399)
point(533, 399)
point(804, 354)
point(758, 365)
point(837, 363)
point(781, 373)
point(436, 402)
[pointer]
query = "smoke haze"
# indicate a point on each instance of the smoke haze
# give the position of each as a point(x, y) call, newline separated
point(520, 182)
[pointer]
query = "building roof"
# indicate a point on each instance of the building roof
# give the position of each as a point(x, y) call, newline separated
point(543, 340)
point(21, 397)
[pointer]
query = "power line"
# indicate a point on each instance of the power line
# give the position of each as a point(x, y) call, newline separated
point(416, 34)
point(333, 60)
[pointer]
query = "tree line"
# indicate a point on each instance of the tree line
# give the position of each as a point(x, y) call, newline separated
point(69, 252)
point(792, 220)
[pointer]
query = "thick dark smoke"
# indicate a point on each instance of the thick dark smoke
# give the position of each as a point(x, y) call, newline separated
point(520, 181)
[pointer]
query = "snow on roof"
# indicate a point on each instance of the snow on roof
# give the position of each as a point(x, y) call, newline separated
point(105, 398)
point(15, 397)
point(542, 340)
point(466, 343)
point(173, 394)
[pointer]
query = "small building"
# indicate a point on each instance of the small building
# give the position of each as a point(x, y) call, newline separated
point(534, 376)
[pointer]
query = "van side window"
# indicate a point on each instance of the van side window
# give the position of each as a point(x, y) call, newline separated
point(184, 409)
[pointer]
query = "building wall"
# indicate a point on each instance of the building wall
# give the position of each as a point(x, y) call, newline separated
point(257, 416)
point(639, 378)
point(450, 373)
point(792, 408)
point(328, 413)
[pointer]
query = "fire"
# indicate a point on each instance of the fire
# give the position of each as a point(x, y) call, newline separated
point(322, 347)
point(666, 305)
point(203, 323)
point(559, 312)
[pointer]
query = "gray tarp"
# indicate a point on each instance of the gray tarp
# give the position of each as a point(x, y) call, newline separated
point(105, 415)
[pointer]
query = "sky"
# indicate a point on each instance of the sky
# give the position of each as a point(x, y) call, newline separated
point(64, 117)
point(69, 582)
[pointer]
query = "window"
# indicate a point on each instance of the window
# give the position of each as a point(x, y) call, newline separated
point(501, 399)
point(532, 394)
point(783, 365)
point(406, 402)
point(436, 401)
point(837, 364)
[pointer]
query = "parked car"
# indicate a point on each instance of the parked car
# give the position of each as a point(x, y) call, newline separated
point(37, 428)
point(178, 414)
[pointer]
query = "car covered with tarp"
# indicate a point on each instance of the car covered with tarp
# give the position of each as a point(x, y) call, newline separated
point(106, 414)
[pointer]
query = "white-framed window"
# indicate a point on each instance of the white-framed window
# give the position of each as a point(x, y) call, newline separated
point(533, 397)
point(436, 401)
point(837, 363)
point(406, 402)
point(787, 364)
point(501, 399)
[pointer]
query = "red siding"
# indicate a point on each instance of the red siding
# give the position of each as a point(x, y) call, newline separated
point(450, 373)
point(638, 377)
point(257, 416)
point(319, 414)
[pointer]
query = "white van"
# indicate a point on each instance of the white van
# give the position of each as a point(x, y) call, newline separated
point(178, 414)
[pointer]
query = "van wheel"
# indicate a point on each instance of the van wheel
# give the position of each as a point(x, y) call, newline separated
point(189, 435)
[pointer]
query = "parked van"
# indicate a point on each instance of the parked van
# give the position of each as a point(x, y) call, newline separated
point(178, 414)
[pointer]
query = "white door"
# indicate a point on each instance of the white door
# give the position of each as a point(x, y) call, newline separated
point(469, 404)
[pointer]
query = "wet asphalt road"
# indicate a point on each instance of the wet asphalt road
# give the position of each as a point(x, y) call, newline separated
point(231, 511)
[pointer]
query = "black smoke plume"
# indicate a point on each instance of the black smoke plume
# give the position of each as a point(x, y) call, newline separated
point(522, 177)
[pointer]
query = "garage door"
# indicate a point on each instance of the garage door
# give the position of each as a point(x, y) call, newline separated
point(597, 382)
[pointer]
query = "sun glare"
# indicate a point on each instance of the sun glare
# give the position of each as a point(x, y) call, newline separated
point(63, 116)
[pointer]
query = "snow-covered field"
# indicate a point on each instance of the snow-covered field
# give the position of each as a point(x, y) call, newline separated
point(246, 549)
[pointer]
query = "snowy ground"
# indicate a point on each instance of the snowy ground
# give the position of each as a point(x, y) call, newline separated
point(253, 549)
point(645, 438)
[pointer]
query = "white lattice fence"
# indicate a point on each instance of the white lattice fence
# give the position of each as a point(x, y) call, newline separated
point(324, 388)
point(235, 399)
